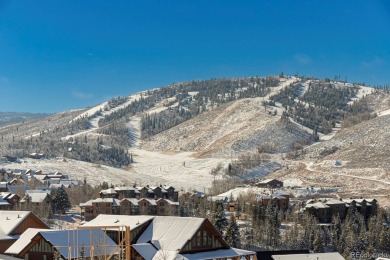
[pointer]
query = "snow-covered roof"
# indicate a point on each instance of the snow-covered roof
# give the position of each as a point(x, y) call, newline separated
point(222, 253)
point(7, 257)
point(36, 197)
point(64, 238)
point(132, 201)
point(170, 202)
point(146, 250)
point(172, 233)
point(266, 181)
point(126, 189)
point(109, 191)
point(119, 220)
point(316, 256)
point(317, 205)
point(3, 202)
point(115, 202)
point(9, 220)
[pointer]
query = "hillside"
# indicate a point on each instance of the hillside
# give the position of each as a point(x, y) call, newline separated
point(324, 133)
point(229, 130)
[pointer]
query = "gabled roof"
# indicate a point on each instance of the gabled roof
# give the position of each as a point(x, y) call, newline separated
point(267, 181)
point(170, 202)
point(118, 220)
point(115, 202)
point(151, 201)
point(9, 220)
point(36, 197)
point(172, 233)
point(108, 191)
point(64, 238)
point(317, 205)
point(127, 189)
point(131, 200)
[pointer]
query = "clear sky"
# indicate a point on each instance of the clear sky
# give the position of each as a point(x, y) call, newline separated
point(58, 55)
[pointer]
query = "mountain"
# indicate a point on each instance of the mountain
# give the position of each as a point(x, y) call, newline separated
point(325, 133)
point(15, 117)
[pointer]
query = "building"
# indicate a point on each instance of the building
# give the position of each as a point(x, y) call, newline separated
point(93, 208)
point(270, 183)
point(158, 237)
point(281, 201)
point(8, 201)
point(149, 192)
point(14, 223)
point(128, 206)
point(42, 244)
point(324, 209)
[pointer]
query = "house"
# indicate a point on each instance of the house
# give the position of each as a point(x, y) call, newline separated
point(109, 193)
point(319, 210)
point(270, 183)
point(162, 237)
point(282, 202)
point(147, 207)
point(42, 244)
point(127, 192)
point(93, 208)
point(10, 199)
point(37, 197)
point(14, 223)
point(129, 206)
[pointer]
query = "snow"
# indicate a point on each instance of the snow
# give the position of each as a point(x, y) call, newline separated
point(384, 113)
point(222, 253)
point(172, 233)
point(118, 220)
point(23, 240)
point(62, 239)
point(9, 220)
point(146, 250)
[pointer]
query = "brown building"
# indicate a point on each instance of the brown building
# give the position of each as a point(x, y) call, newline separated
point(270, 183)
point(325, 208)
point(282, 201)
point(8, 201)
point(128, 206)
point(14, 223)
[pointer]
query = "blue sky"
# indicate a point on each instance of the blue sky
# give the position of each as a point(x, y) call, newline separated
point(59, 55)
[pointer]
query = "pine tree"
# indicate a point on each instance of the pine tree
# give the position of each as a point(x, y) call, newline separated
point(233, 233)
point(220, 220)
point(60, 200)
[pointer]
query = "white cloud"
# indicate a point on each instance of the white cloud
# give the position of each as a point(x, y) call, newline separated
point(82, 95)
point(302, 59)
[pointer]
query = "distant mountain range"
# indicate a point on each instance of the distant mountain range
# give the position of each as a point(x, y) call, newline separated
point(16, 117)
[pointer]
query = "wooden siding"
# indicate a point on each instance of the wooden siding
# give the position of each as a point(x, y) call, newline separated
point(5, 244)
point(31, 221)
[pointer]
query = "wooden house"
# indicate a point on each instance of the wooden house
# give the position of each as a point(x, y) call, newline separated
point(14, 223)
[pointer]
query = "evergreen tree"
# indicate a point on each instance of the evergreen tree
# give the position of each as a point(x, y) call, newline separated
point(220, 220)
point(60, 200)
point(233, 233)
